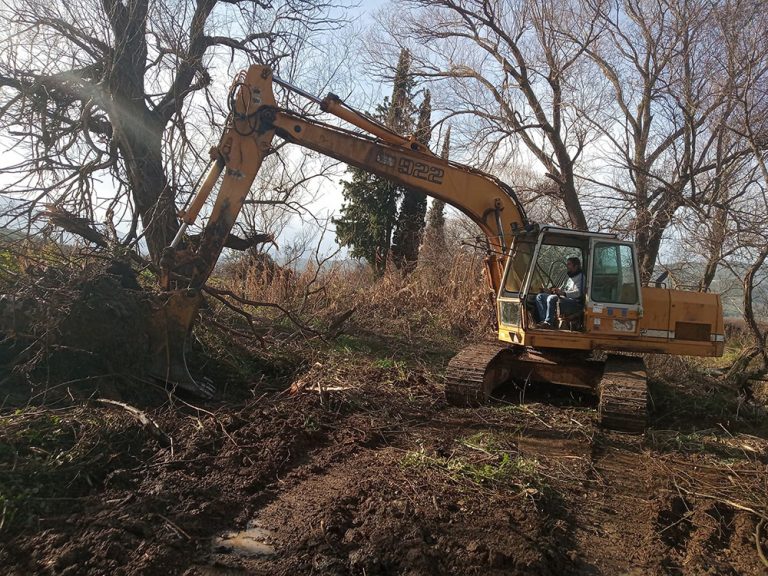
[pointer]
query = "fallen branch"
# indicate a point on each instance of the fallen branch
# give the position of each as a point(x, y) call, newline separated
point(238, 333)
point(758, 544)
point(175, 527)
point(84, 228)
point(145, 420)
point(237, 243)
point(731, 503)
point(337, 323)
point(220, 295)
point(77, 225)
point(248, 318)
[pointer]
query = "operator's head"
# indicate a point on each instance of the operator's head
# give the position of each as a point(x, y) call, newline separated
point(573, 264)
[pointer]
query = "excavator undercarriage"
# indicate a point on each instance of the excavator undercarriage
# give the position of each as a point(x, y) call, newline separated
point(620, 382)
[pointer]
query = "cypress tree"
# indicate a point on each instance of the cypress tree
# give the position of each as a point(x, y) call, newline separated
point(368, 216)
point(413, 209)
point(399, 114)
point(434, 237)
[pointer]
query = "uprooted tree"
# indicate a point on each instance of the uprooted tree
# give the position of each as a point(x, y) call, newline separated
point(98, 114)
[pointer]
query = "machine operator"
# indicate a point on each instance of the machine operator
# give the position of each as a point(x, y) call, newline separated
point(569, 297)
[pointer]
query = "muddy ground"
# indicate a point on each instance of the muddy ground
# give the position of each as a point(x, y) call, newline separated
point(348, 461)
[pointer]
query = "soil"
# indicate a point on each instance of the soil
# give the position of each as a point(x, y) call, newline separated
point(354, 464)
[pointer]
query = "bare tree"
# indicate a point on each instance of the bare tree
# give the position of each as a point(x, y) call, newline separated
point(671, 99)
point(745, 22)
point(98, 94)
point(709, 229)
point(507, 69)
point(281, 193)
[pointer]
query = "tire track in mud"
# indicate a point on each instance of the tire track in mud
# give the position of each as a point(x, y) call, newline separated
point(626, 516)
point(633, 521)
point(610, 507)
point(298, 518)
point(362, 512)
point(617, 527)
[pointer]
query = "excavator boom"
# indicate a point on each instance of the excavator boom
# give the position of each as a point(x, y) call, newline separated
point(254, 121)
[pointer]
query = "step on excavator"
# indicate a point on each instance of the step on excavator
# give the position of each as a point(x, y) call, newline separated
point(594, 344)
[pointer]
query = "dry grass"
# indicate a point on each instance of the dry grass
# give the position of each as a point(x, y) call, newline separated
point(440, 301)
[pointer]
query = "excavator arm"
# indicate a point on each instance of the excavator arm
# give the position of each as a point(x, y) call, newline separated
point(491, 204)
point(254, 121)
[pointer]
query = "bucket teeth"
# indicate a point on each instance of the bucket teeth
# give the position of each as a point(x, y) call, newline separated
point(173, 314)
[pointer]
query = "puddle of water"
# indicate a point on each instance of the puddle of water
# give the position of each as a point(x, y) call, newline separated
point(254, 541)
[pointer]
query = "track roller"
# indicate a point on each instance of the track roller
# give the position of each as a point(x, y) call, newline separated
point(475, 372)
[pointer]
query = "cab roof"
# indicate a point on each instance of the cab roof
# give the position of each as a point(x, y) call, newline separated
point(551, 229)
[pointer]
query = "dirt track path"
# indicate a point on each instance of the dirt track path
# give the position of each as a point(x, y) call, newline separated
point(618, 517)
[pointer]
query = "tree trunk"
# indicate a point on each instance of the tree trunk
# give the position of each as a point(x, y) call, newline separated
point(568, 187)
point(650, 229)
point(715, 255)
point(409, 231)
point(153, 197)
point(749, 312)
point(434, 234)
point(410, 226)
point(137, 131)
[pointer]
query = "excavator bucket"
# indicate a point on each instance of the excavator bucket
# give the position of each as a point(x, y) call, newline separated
point(173, 314)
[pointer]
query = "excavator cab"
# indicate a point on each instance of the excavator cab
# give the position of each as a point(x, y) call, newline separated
point(607, 318)
point(611, 299)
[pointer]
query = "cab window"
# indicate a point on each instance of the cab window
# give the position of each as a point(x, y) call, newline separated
point(613, 274)
point(550, 270)
point(518, 268)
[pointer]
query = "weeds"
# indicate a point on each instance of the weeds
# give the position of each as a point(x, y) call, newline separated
point(718, 442)
point(436, 303)
point(505, 468)
point(498, 465)
point(50, 459)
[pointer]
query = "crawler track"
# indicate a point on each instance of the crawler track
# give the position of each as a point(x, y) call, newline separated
point(475, 371)
point(621, 383)
point(624, 395)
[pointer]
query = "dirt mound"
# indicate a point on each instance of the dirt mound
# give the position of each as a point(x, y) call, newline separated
point(106, 322)
point(87, 330)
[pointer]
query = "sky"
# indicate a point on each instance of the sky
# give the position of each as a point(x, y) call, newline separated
point(353, 84)
point(328, 193)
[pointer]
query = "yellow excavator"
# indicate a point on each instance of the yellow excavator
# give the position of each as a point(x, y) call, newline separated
point(614, 312)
